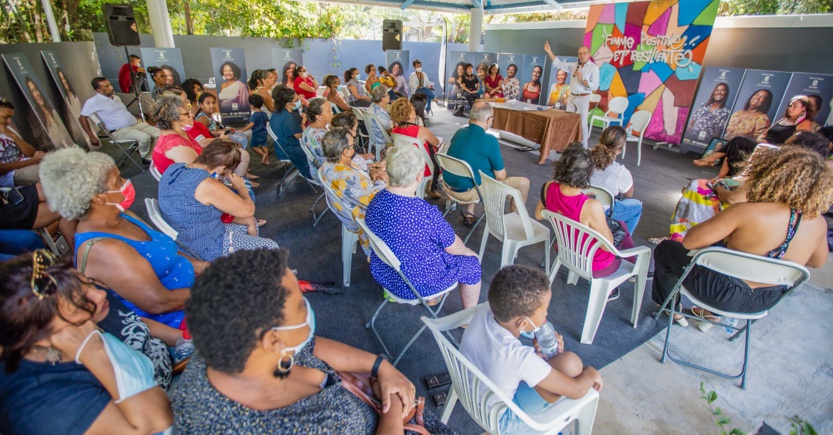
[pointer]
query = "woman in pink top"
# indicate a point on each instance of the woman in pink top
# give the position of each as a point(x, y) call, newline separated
point(403, 115)
point(172, 116)
point(563, 195)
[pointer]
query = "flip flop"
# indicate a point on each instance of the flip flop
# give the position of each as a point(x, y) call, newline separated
point(261, 222)
point(657, 240)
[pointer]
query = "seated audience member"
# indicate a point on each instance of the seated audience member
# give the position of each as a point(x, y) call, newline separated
point(113, 113)
point(418, 82)
point(193, 202)
point(519, 297)
point(433, 257)
point(357, 95)
point(61, 375)
point(379, 108)
point(268, 369)
point(174, 145)
point(615, 177)
point(372, 80)
point(332, 82)
point(563, 196)
point(386, 79)
point(126, 78)
point(141, 265)
point(288, 129)
point(193, 89)
point(355, 187)
point(207, 116)
point(32, 213)
point(494, 83)
point(795, 119)
point(787, 189)
point(18, 160)
point(403, 115)
point(482, 152)
point(319, 115)
point(261, 83)
point(304, 84)
point(349, 122)
point(419, 101)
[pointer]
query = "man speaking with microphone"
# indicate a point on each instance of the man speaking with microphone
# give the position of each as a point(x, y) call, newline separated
point(585, 81)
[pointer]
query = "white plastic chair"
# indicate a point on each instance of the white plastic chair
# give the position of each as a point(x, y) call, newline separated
point(460, 168)
point(401, 139)
point(739, 265)
point(155, 214)
point(320, 91)
point(594, 100)
point(515, 230)
point(132, 144)
point(602, 195)
point(474, 391)
point(618, 106)
point(577, 245)
point(636, 132)
point(373, 123)
point(154, 171)
point(349, 239)
point(388, 257)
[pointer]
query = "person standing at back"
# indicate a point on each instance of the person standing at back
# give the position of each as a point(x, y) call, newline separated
point(585, 81)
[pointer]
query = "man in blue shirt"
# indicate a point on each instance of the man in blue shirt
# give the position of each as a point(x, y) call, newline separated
point(482, 152)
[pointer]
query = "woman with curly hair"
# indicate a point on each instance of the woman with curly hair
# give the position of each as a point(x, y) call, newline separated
point(615, 177)
point(796, 118)
point(403, 114)
point(787, 190)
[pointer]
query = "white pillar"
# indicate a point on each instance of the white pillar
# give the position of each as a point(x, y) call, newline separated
point(475, 29)
point(50, 19)
point(160, 24)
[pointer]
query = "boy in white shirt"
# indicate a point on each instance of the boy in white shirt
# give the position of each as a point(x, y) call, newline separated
point(518, 300)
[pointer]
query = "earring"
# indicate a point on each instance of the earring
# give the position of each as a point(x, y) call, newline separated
point(53, 356)
point(284, 366)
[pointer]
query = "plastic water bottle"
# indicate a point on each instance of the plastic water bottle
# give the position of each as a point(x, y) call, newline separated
point(184, 348)
point(734, 322)
point(547, 340)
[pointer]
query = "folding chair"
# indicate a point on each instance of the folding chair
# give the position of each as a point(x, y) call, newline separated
point(515, 230)
point(636, 128)
point(388, 257)
point(59, 247)
point(460, 168)
point(290, 174)
point(373, 123)
point(475, 391)
point(577, 245)
point(364, 139)
point(126, 151)
point(349, 239)
point(739, 265)
point(313, 165)
point(401, 139)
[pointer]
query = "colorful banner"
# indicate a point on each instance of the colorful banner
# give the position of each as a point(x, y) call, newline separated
point(72, 104)
point(533, 86)
point(285, 61)
point(817, 87)
point(399, 66)
point(559, 85)
point(756, 106)
point(650, 53)
point(49, 128)
point(169, 59)
point(232, 92)
point(713, 105)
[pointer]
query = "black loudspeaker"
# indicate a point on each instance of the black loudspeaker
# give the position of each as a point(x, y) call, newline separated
point(392, 35)
point(121, 25)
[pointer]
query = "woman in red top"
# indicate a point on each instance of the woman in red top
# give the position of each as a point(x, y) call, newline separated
point(494, 83)
point(305, 84)
point(174, 145)
point(532, 89)
point(403, 115)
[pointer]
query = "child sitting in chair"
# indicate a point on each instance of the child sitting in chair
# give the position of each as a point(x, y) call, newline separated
point(518, 300)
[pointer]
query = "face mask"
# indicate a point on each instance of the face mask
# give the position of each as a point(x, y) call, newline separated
point(358, 76)
point(187, 127)
point(419, 69)
point(531, 334)
point(304, 74)
point(129, 193)
point(297, 105)
point(133, 372)
point(310, 321)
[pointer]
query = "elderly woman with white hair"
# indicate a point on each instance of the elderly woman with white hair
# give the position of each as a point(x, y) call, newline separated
point(379, 107)
point(433, 257)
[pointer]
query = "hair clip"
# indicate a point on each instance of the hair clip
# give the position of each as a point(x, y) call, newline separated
point(42, 259)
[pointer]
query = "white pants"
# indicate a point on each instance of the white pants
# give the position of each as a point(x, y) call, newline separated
point(581, 105)
point(144, 133)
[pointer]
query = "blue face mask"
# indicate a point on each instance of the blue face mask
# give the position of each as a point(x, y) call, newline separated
point(310, 321)
point(297, 105)
point(531, 334)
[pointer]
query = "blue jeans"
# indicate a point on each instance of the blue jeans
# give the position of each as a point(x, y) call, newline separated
point(529, 401)
point(628, 210)
point(16, 242)
point(430, 95)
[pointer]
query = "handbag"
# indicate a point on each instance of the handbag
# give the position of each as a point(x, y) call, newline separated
point(359, 385)
point(615, 226)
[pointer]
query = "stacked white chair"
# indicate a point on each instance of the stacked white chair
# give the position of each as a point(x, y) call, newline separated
point(616, 106)
point(636, 132)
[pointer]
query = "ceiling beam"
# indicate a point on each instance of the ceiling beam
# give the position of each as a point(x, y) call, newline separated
point(477, 3)
point(554, 4)
point(407, 3)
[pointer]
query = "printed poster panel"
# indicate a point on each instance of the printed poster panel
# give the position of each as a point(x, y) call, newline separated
point(818, 87)
point(49, 128)
point(169, 59)
point(285, 61)
point(484, 60)
point(230, 68)
point(456, 65)
point(399, 66)
point(756, 106)
point(72, 103)
point(713, 105)
point(510, 66)
point(532, 79)
point(558, 91)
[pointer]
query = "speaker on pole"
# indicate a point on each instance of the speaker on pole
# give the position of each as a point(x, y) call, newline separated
point(121, 25)
point(392, 35)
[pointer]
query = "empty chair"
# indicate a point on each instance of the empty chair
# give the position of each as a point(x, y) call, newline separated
point(577, 246)
point(460, 168)
point(155, 215)
point(740, 265)
point(475, 391)
point(132, 144)
point(515, 230)
point(616, 108)
point(636, 129)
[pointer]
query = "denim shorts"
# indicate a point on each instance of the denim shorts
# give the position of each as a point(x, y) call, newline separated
point(529, 401)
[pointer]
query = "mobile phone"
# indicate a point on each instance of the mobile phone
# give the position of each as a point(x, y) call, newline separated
point(15, 197)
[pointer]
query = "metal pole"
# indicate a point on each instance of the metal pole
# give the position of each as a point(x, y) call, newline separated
point(50, 19)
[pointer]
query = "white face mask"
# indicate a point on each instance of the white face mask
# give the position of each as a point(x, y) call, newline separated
point(419, 69)
point(304, 74)
point(358, 76)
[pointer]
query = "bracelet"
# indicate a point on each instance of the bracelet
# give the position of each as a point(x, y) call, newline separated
point(374, 372)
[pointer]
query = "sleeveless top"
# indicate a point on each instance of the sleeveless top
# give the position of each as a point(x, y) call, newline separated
point(199, 225)
point(792, 227)
point(412, 130)
point(173, 270)
point(212, 123)
point(531, 97)
point(570, 207)
point(779, 134)
point(168, 142)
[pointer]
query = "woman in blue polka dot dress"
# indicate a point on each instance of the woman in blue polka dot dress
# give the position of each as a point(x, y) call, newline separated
point(433, 257)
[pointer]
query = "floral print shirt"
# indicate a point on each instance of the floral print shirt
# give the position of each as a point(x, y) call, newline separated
point(511, 88)
point(354, 190)
point(707, 123)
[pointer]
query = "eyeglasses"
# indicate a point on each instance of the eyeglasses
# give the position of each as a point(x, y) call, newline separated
point(188, 114)
point(42, 283)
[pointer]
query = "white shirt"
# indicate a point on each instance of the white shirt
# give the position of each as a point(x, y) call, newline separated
point(112, 111)
point(501, 356)
point(616, 178)
point(413, 81)
point(589, 72)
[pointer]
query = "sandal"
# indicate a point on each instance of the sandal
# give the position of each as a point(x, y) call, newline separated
point(657, 240)
point(706, 315)
point(468, 220)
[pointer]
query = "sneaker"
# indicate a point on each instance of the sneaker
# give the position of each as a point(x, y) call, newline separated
point(614, 295)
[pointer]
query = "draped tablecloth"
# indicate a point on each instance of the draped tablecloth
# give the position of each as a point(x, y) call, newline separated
point(552, 129)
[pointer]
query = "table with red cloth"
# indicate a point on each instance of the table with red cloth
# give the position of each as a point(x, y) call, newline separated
point(553, 129)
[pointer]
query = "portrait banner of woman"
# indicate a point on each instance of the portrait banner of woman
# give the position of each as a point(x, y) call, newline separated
point(712, 107)
point(455, 59)
point(72, 103)
point(50, 128)
point(285, 60)
point(168, 60)
point(559, 85)
point(817, 87)
point(756, 106)
point(400, 72)
point(509, 65)
point(532, 79)
point(230, 66)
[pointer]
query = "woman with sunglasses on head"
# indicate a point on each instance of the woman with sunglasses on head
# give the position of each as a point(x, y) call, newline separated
point(61, 373)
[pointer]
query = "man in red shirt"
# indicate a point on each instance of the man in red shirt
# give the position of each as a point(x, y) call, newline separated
point(125, 78)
